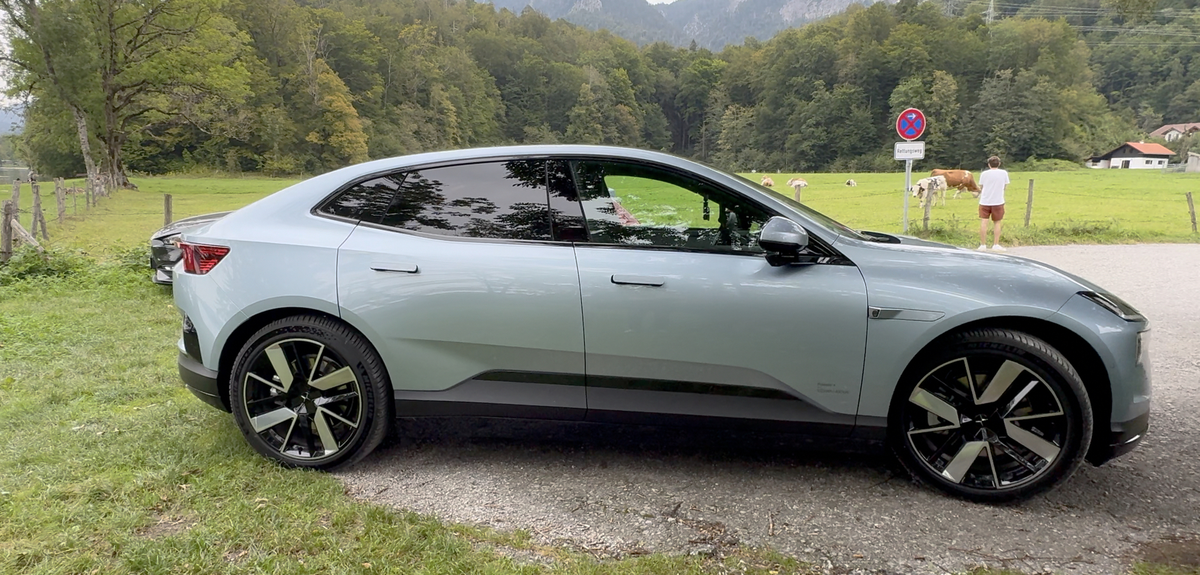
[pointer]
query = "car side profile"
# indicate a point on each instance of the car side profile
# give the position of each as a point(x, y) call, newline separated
point(612, 285)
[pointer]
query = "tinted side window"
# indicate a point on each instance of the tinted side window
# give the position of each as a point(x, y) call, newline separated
point(638, 205)
point(501, 200)
point(366, 201)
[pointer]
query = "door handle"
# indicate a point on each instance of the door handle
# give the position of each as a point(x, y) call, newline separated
point(394, 267)
point(626, 279)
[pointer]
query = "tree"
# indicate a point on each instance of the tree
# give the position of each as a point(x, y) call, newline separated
point(121, 66)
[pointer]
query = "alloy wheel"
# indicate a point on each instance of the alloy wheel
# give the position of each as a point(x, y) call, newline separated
point(986, 422)
point(302, 399)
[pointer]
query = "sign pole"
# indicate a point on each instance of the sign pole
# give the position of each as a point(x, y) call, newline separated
point(907, 187)
point(910, 124)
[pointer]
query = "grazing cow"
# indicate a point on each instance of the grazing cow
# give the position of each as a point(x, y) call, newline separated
point(797, 184)
point(929, 189)
point(768, 182)
point(851, 183)
point(959, 180)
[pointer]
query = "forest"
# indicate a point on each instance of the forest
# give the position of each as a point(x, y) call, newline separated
point(303, 86)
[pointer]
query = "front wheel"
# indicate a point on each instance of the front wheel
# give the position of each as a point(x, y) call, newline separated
point(995, 415)
point(308, 391)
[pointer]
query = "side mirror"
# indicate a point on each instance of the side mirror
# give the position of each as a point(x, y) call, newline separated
point(783, 240)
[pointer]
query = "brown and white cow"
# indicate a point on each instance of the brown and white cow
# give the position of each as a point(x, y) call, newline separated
point(929, 189)
point(959, 180)
point(797, 184)
point(768, 182)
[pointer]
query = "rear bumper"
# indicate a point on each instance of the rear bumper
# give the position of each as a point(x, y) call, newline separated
point(1119, 439)
point(201, 381)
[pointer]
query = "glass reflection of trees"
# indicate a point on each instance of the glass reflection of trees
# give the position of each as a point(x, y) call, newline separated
point(366, 201)
point(501, 200)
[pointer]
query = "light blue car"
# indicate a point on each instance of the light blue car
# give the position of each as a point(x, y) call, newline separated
point(613, 285)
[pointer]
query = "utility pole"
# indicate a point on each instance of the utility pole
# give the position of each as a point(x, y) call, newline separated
point(991, 11)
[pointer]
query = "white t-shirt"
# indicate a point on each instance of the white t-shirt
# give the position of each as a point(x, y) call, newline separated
point(992, 181)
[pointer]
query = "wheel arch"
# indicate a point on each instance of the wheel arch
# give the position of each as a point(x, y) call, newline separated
point(1082, 356)
point(240, 334)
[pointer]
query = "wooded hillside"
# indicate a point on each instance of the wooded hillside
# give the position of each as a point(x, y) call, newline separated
point(285, 86)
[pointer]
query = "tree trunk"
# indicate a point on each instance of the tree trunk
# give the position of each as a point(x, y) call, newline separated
point(85, 145)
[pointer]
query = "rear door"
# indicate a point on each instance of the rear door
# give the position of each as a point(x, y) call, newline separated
point(472, 303)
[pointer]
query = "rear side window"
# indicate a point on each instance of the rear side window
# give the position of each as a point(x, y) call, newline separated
point(367, 201)
point(497, 200)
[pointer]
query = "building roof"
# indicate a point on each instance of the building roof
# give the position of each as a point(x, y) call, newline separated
point(1140, 147)
point(1182, 128)
point(1150, 149)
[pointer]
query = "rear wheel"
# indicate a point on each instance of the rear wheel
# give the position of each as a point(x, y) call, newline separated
point(308, 391)
point(995, 415)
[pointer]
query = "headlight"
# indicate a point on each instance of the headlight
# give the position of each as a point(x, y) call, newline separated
point(1114, 304)
point(1143, 348)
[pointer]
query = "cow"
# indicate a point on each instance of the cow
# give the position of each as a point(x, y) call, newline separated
point(797, 184)
point(768, 182)
point(851, 183)
point(959, 180)
point(929, 189)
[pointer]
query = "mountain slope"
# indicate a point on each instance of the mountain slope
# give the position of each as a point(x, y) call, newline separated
point(711, 24)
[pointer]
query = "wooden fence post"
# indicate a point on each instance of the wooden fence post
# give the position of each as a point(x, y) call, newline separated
point(928, 204)
point(60, 196)
point(1192, 211)
point(167, 209)
point(16, 197)
point(39, 217)
point(6, 215)
point(1029, 203)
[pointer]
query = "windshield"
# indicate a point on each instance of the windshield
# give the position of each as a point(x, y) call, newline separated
point(807, 211)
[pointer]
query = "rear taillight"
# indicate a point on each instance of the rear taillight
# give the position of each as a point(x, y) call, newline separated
point(199, 259)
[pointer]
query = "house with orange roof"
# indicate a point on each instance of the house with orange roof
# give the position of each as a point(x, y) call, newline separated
point(1133, 156)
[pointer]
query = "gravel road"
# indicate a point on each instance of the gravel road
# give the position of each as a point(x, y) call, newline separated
point(618, 491)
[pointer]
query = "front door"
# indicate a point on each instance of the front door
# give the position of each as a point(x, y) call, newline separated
point(684, 318)
point(474, 306)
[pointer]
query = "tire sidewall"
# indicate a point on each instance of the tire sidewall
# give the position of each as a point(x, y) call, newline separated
point(1043, 361)
point(356, 352)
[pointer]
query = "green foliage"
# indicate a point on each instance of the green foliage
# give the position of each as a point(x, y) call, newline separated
point(27, 263)
point(289, 86)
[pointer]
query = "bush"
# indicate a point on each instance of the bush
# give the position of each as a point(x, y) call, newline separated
point(27, 263)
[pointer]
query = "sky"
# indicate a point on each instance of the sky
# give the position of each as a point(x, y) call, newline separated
point(660, 1)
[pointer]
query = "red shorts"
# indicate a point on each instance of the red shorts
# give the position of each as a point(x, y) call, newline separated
point(995, 212)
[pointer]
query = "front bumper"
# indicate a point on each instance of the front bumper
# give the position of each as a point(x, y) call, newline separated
point(1119, 439)
point(201, 381)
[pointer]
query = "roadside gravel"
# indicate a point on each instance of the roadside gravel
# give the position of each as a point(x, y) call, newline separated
point(615, 491)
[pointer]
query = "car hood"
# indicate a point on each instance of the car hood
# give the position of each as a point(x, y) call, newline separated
point(940, 271)
point(179, 225)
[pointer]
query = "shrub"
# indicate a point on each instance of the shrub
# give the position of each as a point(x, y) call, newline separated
point(27, 263)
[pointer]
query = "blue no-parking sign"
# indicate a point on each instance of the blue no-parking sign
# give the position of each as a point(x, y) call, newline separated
point(911, 124)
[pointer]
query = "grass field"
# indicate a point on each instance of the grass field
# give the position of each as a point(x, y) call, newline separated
point(1085, 206)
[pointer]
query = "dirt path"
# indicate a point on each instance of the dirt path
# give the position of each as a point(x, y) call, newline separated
point(654, 490)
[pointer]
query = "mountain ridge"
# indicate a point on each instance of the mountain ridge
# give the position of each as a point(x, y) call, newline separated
point(711, 24)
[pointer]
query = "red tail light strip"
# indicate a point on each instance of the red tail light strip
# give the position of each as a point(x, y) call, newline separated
point(200, 259)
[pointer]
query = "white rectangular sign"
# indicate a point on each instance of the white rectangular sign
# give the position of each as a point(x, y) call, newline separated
point(909, 151)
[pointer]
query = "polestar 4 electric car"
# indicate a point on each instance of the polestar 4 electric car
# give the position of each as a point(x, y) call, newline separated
point(611, 285)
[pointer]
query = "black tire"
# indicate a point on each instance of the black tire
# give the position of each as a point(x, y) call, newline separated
point(336, 392)
point(1011, 441)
